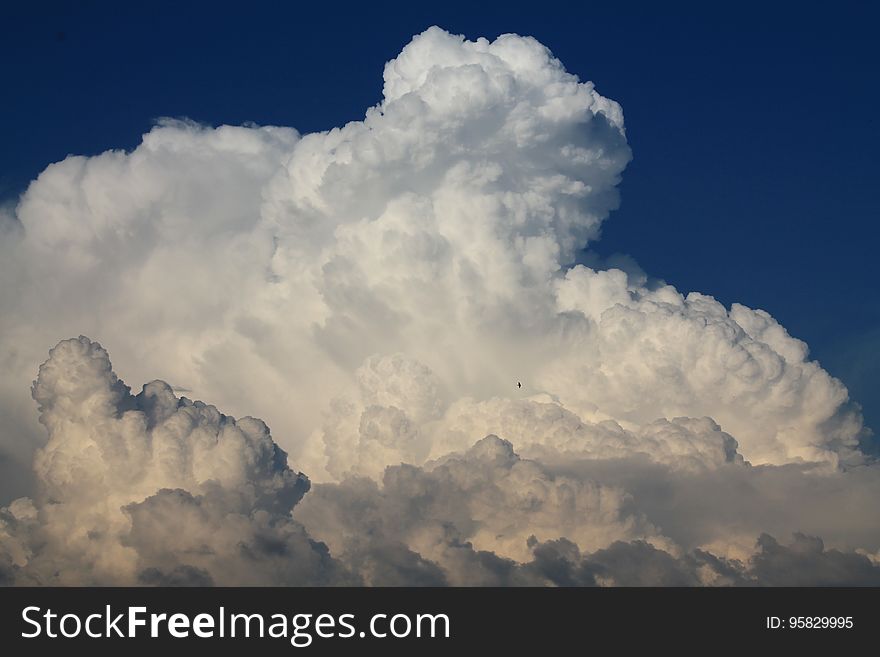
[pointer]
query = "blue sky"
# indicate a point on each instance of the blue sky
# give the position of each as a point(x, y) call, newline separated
point(755, 170)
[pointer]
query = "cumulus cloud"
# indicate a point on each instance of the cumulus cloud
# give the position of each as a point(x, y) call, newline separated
point(804, 562)
point(487, 516)
point(375, 292)
point(545, 429)
point(153, 488)
point(156, 489)
point(487, 496)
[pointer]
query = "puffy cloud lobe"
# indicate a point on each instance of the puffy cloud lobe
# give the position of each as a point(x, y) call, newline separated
point(396, 396)
point(361, 436)
point(210, 538)
point(105, 444)
point(542, 429)
point(560, 562)
point(656, 353)
point(635, 563)
point(154, 488)
point(487, 496)
point(465, 521)
point(806, 562)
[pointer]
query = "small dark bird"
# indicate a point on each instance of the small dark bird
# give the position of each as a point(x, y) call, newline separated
point(518, 384)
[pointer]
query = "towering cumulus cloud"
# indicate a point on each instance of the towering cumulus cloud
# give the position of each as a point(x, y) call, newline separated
point(153, 488)
point(375, 293)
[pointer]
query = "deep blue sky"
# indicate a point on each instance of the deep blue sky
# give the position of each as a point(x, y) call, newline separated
point(755, 178)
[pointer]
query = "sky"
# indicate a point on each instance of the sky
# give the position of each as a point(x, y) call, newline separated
point(752, 124)
point(564, 295)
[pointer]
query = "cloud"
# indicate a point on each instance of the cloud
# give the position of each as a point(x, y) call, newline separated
point(806, 562)
point(545, 429)
point(375, 292)
point(156, 489)
point(486, 516)
point(153, 488)
point(487, 496)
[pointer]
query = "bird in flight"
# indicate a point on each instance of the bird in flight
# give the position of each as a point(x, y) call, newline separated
point(518, 384)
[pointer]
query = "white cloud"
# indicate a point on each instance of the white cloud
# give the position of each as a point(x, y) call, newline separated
point(156, 489)
point(487, 496)
point(375, 292)
point(129, 485)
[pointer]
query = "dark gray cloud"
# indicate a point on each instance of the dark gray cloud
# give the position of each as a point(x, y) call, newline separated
point(806, 562)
